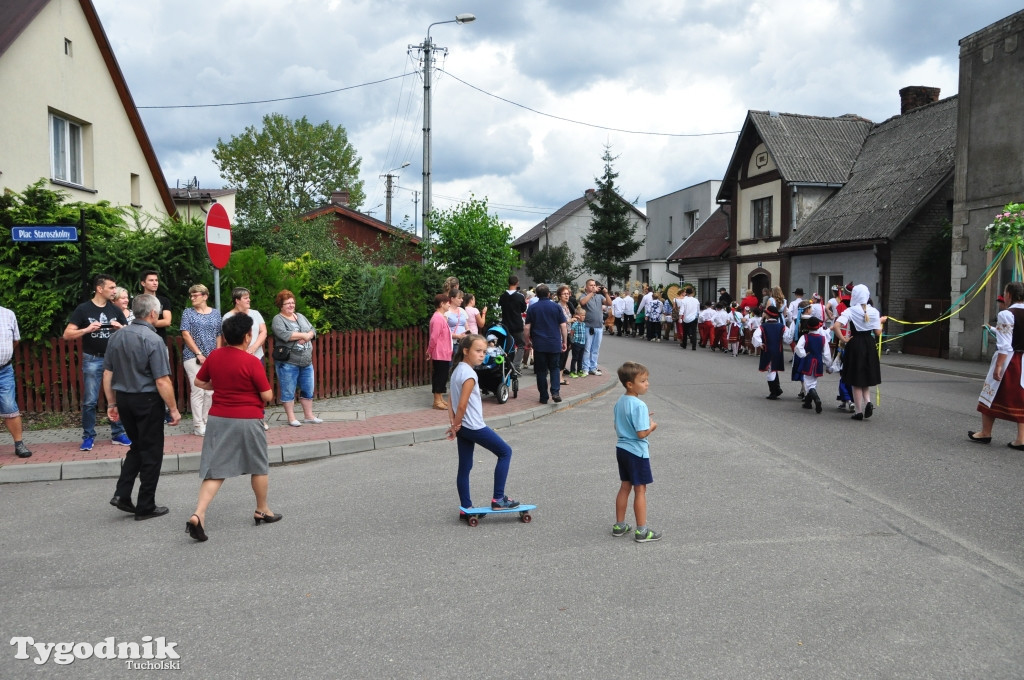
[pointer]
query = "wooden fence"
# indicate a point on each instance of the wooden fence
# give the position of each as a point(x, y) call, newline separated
point(49, 373)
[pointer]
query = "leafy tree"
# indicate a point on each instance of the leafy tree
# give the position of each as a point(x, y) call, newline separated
point(476, 247)
point(290, 238)
point(262, 274)
point(288, 167)
point(553, 265)
point(610, 241)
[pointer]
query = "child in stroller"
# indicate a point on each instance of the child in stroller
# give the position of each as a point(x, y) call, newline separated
point(496, 375)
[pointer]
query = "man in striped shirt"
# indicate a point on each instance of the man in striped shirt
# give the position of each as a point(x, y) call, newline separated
point(9, 338)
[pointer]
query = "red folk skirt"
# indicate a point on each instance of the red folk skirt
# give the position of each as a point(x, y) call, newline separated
point(1009, 400)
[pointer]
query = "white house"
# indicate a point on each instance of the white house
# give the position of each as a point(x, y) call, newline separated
point(671, 219)
point(67, 115)
point(569, 224)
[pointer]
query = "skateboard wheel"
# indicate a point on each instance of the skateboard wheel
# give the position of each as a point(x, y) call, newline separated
point(472, 521)
point(525, 517)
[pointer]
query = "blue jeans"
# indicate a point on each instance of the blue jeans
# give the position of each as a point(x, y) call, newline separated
point(8, 395)
point(292, 379)
point(92, 374)
point(591, 349)
point(489, 439)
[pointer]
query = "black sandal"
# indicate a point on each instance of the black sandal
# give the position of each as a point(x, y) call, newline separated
point(196, 530)
point(978, 440)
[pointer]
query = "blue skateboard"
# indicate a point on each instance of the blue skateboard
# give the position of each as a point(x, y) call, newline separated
point(474, 515)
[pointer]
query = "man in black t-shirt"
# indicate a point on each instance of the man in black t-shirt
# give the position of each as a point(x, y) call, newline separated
point(513, 306)
point(94, 321)
point(149, 280)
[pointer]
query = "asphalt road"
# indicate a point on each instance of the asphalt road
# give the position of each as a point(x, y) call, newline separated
point(795, 546)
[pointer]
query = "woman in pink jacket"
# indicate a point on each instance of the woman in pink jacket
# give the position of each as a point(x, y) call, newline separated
point(439, 350)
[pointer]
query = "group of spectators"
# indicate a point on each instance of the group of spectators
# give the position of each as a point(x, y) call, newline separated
point(125, 352)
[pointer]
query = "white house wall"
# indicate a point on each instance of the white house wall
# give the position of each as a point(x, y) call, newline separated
point(37, 78)
point(571, 230)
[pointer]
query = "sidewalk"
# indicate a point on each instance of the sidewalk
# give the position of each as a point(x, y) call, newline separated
point(375, 420)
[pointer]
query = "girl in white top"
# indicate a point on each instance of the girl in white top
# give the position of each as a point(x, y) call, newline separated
point(857, 328)
point(468, 426)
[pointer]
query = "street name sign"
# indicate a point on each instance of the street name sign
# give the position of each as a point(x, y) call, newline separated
point(44, 232)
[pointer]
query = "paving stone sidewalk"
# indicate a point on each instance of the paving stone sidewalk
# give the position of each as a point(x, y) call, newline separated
point(357, 423)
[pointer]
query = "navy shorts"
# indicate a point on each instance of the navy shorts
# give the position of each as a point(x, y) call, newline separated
point(633, 469)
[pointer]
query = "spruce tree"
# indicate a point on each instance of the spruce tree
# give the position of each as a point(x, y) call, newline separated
point(610, 241)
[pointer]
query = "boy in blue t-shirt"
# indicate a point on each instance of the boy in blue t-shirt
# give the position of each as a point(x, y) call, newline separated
point(633, 425)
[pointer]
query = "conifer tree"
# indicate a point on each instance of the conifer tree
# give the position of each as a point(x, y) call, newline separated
point(610, 241)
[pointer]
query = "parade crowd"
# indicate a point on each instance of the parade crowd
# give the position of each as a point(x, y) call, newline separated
point(124, 353)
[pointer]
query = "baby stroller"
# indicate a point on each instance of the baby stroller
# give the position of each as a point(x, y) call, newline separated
point(496, 375)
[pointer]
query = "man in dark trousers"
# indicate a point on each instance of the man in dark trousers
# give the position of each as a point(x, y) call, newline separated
point(513, 306)
point(137, 384)
point(546, 333)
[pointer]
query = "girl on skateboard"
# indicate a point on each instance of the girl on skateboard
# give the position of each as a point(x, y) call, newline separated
point(468, 427)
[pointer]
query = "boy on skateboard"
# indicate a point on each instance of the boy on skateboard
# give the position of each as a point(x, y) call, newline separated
point(633, 425)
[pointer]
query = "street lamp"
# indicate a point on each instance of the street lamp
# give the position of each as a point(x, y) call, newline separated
point(428, 63)
point(387, 192)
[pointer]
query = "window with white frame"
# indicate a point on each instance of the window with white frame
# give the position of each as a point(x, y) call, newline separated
point(690, 220)
point(65, 150)
point(761, 218)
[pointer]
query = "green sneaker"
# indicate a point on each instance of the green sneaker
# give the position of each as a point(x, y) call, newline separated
point(620, 529)
point(647, 536)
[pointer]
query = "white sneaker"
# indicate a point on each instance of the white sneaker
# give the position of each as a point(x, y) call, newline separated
point(314, 420)
point(295, 423)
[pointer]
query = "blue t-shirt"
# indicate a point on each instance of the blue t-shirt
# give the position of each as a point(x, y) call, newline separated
point(545, 319)
point(631, 415)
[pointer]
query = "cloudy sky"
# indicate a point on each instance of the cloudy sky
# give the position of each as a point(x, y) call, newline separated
point(531, 91)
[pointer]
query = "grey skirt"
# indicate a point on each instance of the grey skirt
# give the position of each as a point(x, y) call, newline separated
point(233, 447)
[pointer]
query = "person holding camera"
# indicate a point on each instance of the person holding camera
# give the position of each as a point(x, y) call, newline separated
point(594, 301)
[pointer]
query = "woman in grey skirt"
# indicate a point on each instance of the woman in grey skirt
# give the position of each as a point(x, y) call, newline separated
point(235, 442)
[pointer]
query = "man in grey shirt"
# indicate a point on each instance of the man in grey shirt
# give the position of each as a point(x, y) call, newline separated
point(594, 301)
point(137, 384)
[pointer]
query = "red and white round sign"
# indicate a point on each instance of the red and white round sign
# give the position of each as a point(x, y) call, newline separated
point(218, 236)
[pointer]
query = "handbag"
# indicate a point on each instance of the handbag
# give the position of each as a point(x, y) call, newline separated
point(281, 352)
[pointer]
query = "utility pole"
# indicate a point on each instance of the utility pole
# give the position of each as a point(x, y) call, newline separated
point(387, 194)
point(415, 212)
point(428, 49)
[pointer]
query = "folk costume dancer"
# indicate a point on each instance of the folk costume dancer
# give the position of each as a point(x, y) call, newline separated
point(768, 338)
point(1002, 396)
point(812, 348)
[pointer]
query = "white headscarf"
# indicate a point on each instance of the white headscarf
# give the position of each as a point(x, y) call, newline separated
point(863, 316)
point(859, 295)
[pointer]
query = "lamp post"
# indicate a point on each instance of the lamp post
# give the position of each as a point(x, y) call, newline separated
point(428, 63)
point(387, 188)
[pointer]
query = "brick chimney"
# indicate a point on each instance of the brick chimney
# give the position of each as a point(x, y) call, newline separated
point(589, 193)
point(916, 96)
point(340, 197)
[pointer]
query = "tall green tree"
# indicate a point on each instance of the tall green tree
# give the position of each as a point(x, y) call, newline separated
point(287, 167)
point(476, 246)
point(610, 241)
point(553, 264)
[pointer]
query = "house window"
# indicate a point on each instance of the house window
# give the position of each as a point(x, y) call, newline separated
point(825, 282)
point(65, 150)
point(690, 220)
point(136, 189)
point(708, 290)
point(670, 229)
point(761, 218)
point(645, 276)
point(67, 47)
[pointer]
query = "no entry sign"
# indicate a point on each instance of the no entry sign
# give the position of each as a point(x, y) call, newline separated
point(218, 236)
